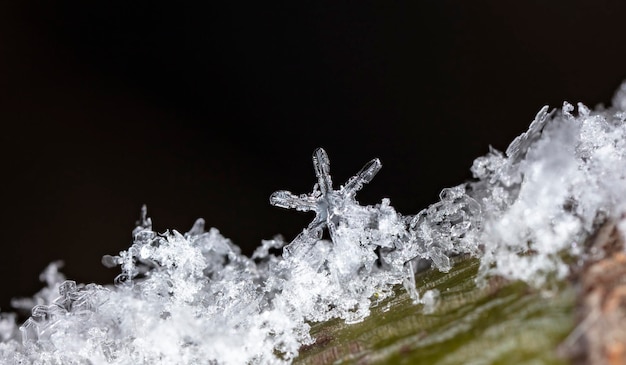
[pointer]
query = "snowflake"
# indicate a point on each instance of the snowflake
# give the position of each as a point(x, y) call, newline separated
point(327, 203)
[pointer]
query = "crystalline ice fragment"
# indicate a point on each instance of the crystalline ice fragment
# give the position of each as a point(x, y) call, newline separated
point(285, 199)
point(486, 167)
point(619, 99)
point(409, 282)
point(583, 110)
point(51, 274)
point(40, 313)
point(144, 222)
point(29, 330)
point(8, 326)
point(67, 288)
point(110, 261)
point(262, 251)
point(567, 110)
point(520, 144)
point(197, 229)
point(445, 227)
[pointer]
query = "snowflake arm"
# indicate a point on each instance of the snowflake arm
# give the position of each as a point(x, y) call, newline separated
point(364, 176)
point(288, 200)
point(321, 163)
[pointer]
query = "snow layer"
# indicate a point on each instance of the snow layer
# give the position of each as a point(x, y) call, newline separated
point(193, 298)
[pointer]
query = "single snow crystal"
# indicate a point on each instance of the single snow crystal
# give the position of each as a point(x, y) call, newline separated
point(327, 203)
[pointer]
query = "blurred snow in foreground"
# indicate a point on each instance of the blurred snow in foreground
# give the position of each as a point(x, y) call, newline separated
point(193, 298)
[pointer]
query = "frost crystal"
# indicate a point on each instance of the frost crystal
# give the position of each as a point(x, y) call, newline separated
point(330, 206)
point(195, 298)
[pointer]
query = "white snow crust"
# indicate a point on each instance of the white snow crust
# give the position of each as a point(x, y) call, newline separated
point(194, 298)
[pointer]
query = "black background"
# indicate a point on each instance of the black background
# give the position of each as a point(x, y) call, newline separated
point(204, 109)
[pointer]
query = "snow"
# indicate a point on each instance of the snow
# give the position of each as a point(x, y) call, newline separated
point(195, 298)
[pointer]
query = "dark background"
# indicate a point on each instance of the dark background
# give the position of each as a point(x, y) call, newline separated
point(203, 110)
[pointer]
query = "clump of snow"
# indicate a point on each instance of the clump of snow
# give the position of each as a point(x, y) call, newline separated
point(195, 298)
point(553, 187)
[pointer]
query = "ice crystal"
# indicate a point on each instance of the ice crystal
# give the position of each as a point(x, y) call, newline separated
point(195, 298)
point(328, 204)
